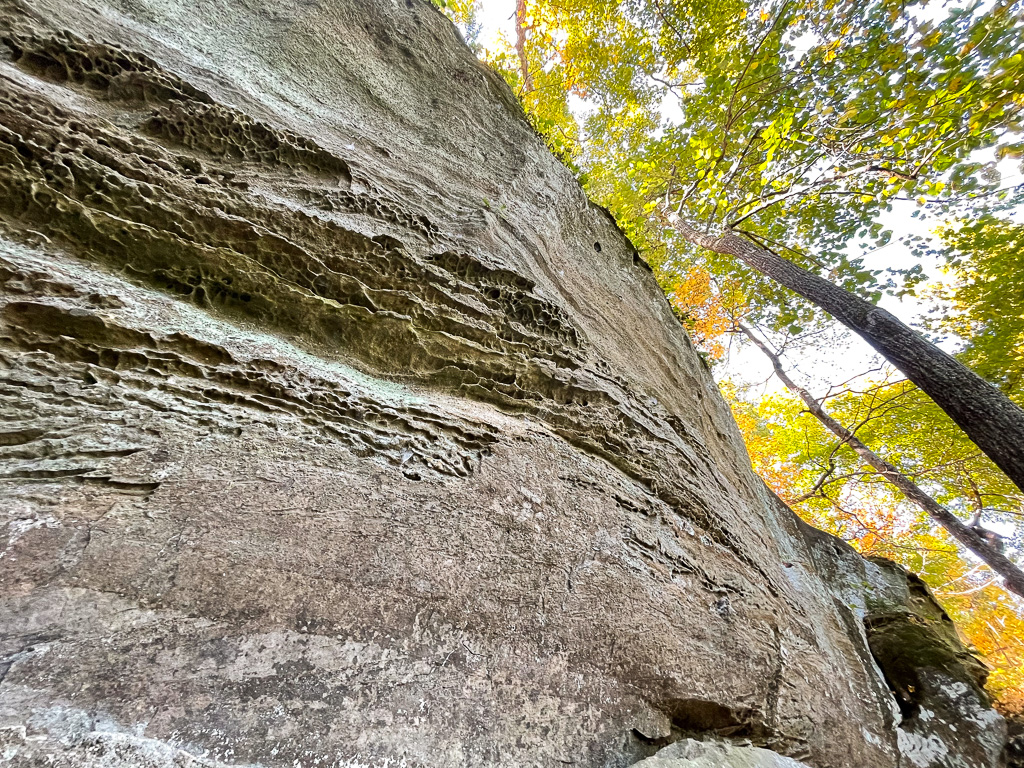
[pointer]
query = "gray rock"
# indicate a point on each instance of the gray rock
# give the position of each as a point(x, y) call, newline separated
point(340, 429)
point(689, 753)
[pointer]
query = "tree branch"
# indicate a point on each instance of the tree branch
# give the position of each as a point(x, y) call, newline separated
point(997, 561)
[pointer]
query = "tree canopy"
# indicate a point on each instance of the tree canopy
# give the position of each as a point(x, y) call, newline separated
point(798, 121)
point(983, 302)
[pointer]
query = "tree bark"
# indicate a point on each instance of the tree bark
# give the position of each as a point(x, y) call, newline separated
point(524, 62)
point(968, 537)
point(985, 414)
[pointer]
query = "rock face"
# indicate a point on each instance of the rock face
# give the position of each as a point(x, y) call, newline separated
point(340, 429)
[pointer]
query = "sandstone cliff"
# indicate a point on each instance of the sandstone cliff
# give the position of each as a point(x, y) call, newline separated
point(340, 429)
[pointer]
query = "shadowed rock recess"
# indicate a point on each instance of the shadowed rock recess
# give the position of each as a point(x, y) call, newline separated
point(340, 429)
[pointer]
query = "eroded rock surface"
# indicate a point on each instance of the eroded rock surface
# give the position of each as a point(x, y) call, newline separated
point(340, 429)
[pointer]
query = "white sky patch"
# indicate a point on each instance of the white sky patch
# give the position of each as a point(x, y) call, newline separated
point(671, 108)
point(579, 107)
point(496, 19)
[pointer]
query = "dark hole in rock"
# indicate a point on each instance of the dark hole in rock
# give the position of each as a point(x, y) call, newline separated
point(699, 716)
point(597, 247)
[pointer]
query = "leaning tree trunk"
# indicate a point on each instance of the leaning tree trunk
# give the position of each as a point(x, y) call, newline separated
point(968, 537)
point(986, 415)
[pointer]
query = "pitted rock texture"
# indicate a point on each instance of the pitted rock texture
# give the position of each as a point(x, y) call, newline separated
point(340, 429)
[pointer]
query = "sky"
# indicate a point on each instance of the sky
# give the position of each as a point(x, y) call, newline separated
point(496, 17)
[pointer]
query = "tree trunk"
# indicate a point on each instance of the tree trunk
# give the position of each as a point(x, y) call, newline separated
point(524, 62)
point(986, 415)
point(968, 537)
